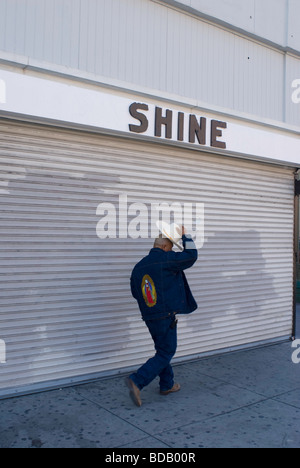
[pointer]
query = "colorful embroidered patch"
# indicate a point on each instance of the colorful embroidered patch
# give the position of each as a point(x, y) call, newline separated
point(149, 291)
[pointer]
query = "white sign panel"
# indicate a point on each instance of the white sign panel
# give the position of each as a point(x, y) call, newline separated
point(54, 100)
point(2, 92)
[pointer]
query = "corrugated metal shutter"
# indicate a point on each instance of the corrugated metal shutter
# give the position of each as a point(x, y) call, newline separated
point(66, 309)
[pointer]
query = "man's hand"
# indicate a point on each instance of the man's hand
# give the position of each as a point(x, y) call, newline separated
point(181, 231)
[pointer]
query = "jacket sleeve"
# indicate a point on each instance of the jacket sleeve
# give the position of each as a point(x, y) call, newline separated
point(179, 261)
point(133, 287)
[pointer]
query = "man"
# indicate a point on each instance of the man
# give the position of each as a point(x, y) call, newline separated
point(159, 285)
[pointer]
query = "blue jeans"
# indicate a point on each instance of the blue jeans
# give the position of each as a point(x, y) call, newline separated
point(165, 341)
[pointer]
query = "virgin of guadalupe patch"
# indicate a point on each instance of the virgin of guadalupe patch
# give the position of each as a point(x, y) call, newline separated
point(149, 291)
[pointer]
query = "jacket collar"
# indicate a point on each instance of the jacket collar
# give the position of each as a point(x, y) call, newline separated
point(157, 249)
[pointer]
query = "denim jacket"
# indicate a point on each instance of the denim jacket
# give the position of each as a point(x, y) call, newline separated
point(159, 284)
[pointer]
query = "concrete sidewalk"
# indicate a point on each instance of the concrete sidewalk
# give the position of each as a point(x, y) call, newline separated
point(244, 399)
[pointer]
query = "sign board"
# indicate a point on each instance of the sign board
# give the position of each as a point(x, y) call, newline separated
point(54, 100)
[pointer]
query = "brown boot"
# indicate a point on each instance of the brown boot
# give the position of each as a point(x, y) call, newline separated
point(174, 389)
point(134, 392)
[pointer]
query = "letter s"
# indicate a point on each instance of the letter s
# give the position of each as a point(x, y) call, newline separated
point(296, 93)
point(296, 354)
point(133, 110)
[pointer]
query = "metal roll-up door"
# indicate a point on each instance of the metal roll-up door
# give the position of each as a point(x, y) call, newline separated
point(66, 309)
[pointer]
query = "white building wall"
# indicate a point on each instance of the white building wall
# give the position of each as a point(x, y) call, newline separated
point(293, 22)
point(162, 48)
point(274, 20)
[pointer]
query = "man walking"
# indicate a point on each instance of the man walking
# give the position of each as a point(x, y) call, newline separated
point(159, 285)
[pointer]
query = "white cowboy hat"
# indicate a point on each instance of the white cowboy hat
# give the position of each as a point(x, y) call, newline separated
point(172, 232)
